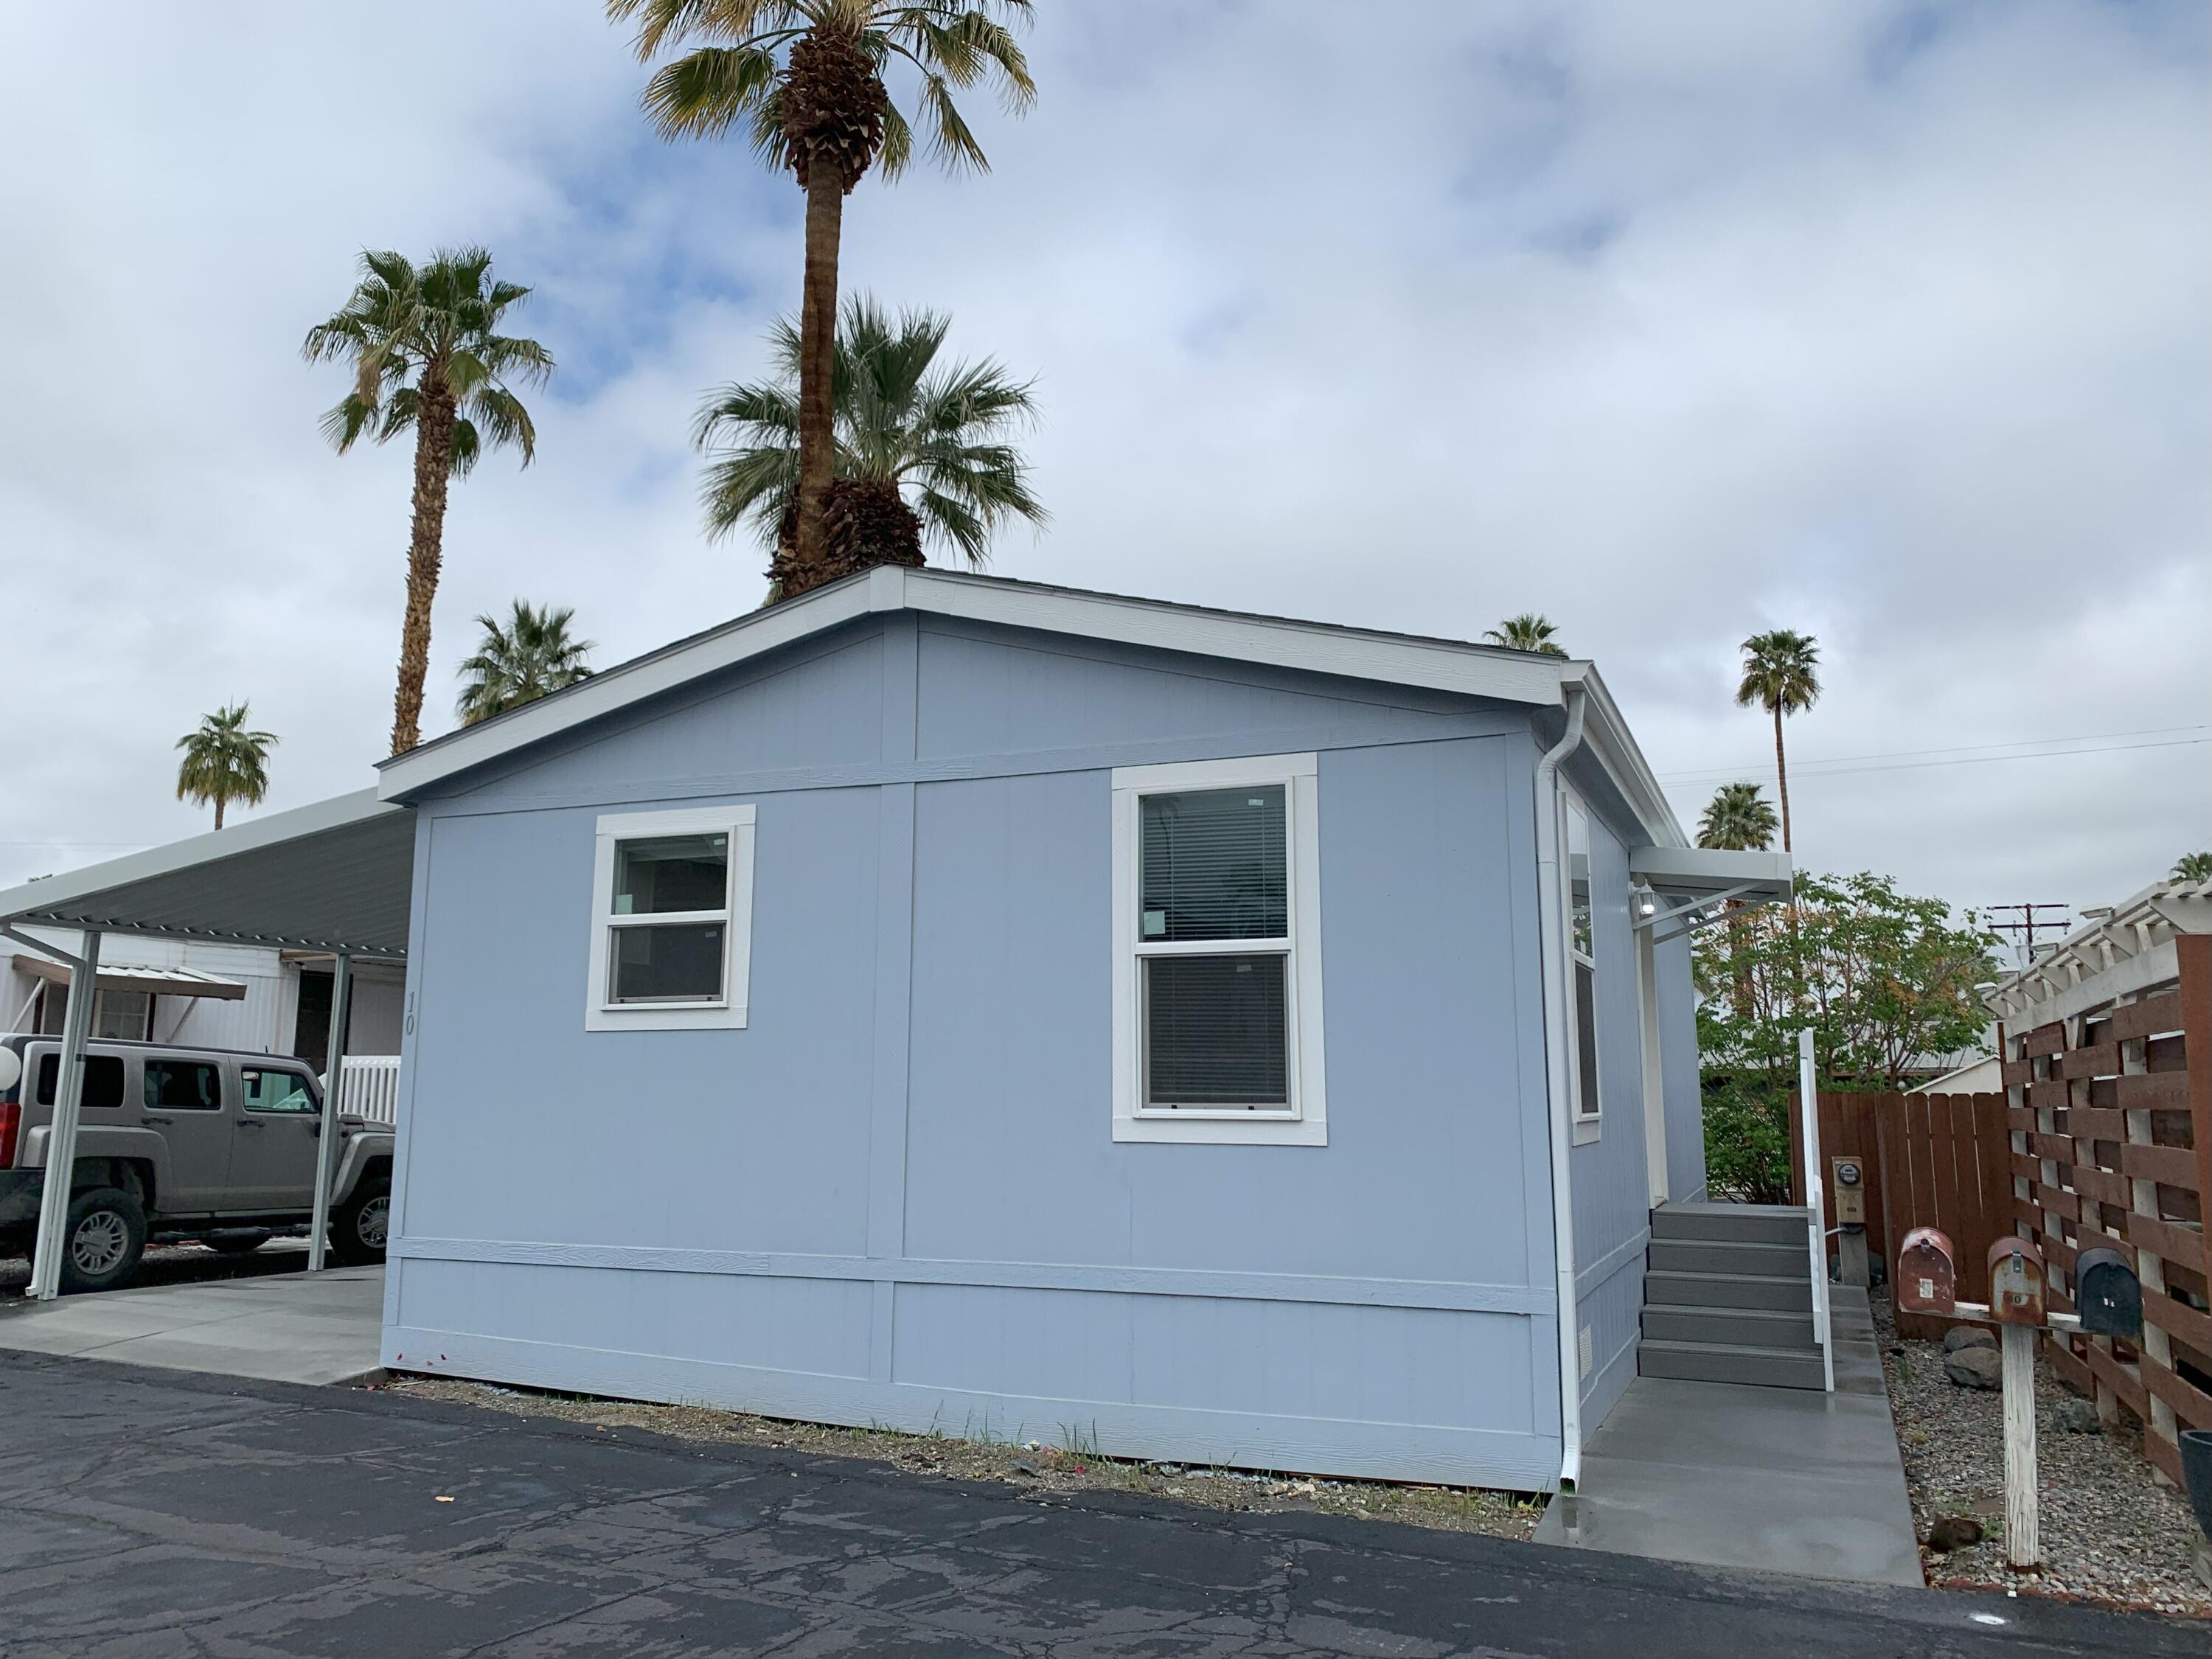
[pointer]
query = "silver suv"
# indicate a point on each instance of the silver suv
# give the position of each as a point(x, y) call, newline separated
point(183, 1143)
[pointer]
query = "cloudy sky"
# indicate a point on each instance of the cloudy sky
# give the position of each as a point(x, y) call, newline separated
point(1884, 322)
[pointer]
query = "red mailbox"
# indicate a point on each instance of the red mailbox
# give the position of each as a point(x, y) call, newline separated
point(2016, 1281)
point(1928, 1273)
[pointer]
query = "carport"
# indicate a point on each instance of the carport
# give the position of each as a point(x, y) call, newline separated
point(334, 876)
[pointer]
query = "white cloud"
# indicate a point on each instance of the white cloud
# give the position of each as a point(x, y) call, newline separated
point(1883, 323)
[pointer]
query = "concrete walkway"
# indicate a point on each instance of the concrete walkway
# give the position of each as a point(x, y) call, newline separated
point(296, 1328)
point(1780, 1480)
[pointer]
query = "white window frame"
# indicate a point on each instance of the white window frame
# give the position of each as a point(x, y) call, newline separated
point(724, 1012)
point(1304, 1123)
point(1587, 1117)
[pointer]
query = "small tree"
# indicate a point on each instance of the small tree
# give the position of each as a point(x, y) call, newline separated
point(2193, 866)
point(224, 761)
point(1882, 977)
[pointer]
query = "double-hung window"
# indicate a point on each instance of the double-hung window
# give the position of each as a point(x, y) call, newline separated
point(671, 921)
point(1216, 953)
point(1582, 967)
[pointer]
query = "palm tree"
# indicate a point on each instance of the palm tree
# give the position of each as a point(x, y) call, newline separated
point(806, 78)
point(426, 353)
point(2192, 866)
point(224, 761)
point(1529, 631)
point(1737, 820)
point(519, 662)
point(1781, 673)
point(923, 446)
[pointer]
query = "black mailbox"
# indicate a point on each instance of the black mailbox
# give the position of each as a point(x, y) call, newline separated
point(2107, 1295)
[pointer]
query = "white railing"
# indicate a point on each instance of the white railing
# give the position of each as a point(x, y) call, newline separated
point(371, 1087)
point(1808, 1104)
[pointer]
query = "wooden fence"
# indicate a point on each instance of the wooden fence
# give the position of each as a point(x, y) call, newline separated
point(1930, 1161)
point(2110, 1126)
point(2102, 1137)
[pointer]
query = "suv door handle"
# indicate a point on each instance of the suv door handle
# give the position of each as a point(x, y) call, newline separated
point(149, 1122)
point(251, 1123)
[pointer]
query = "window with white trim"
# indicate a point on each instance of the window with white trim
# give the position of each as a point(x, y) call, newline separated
point(1216, 953)
point(1581, 966)
point(672, 920)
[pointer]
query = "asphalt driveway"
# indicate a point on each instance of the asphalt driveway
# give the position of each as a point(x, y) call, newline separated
point(159, 1513)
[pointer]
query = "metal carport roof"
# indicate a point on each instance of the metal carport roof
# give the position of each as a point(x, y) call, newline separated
point(335, 876)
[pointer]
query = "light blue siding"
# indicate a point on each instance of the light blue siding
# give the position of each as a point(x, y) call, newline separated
point(1681, 1074)
point(1610, 1177)
point(894, 1197)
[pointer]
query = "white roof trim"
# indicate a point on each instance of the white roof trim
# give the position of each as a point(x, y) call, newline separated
point(1316, 647)
point(1702, 870)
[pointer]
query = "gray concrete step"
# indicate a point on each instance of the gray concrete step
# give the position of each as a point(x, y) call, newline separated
point(1735, 1223)
point(1712, 1255)
point(1676, 1289)
point(1753, 1327)
point(1720, 1362)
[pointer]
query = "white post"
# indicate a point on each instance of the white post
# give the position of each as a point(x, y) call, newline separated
point(2023, 1547)
point(1808, 1109)
point(326, 1145)
point(61, 1135)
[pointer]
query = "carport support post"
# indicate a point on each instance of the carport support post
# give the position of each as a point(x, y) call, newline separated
point(326, 1145)
point(61, 1135)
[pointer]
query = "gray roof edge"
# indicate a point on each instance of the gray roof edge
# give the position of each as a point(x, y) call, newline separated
point(1436, 664)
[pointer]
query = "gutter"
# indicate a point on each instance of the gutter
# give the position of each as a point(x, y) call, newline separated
point(1550, 929)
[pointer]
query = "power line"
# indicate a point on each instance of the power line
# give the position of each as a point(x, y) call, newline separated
point(1900, 761)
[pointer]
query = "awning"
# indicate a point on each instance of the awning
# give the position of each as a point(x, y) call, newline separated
point(159, 981)
point(1708, 872)
point(1686, 888)
point(336, 876)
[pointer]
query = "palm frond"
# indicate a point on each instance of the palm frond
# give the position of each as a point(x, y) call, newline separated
point(347, 419)
point(503, 421)
point(468, 448)
point(704, 92)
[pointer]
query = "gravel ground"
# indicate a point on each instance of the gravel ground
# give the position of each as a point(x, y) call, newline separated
point(2110, 1533)
point(1031, 1465)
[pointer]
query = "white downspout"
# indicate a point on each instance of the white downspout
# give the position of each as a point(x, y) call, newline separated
point(1551, 925)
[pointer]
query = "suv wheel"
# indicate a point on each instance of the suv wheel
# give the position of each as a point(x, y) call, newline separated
point(103, 1240)
point(358, 1229)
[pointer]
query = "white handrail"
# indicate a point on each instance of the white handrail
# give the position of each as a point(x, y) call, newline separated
point(370, 1088)
point(1808, 1109)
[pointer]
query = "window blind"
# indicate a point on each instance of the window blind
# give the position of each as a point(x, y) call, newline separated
point(1216, 1030)
point(1215, 866)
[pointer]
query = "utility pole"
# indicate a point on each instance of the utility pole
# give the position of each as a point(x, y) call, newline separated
point(2024, 929)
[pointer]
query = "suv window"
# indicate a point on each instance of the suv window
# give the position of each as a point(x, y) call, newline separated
point(183, 1085)
point(103, 1080)
point(275, 1092)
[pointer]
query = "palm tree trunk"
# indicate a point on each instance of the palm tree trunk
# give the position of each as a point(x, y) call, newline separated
point(434, 454)
point(817, 354)
point(218, 811)
point(1781, 777)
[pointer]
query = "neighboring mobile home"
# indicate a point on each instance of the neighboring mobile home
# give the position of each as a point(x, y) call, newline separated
point(950, 1003)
